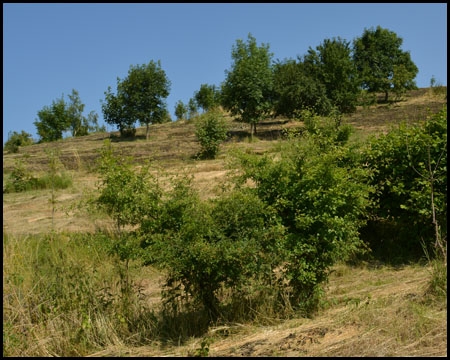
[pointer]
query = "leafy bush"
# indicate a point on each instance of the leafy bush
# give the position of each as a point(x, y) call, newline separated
point(321, 198)
point(16, 140)
point(409, 172)
point(124, 194)
point(22, 179)
point(208, 247)
point(211, 131)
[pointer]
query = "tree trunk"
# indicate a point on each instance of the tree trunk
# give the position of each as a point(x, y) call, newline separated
point(386, 95)
point(146, 133)
point(252, 130)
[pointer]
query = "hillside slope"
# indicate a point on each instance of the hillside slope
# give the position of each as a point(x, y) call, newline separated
point(368, 310)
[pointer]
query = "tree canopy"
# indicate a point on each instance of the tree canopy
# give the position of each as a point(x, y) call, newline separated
point(297, 89)
point(64, 116)
point(381, 64)
point(140, 97)
point(248, 88)
point(207, 97)
point(53, 120)
point(332, 65)
point(16, 140)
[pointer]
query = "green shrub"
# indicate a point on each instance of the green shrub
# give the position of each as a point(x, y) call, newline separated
point(409, 172)
point(208, 247)
point(16, 140)
point(321, 199)
point(125, 195)
point(22, 179)
point(211, 131)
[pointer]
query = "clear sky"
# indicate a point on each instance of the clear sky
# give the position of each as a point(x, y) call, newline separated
point(50, 49)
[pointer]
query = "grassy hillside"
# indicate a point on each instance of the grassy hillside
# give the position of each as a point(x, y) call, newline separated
point(368, 310)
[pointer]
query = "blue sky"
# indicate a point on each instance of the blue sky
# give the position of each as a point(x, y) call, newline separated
point(50, 49)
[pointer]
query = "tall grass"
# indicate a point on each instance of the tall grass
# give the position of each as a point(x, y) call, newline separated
point(65, 294)
point(62, 296)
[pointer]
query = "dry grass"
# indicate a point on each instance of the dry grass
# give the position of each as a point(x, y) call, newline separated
point(371, 312)
point(367, 311)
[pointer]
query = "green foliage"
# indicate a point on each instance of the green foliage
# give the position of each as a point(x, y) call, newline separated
point(181, 110)
point(53, 120)
point(124, 194)
point(140, 97)
point(211, 131)
point(21, 179)
point(207, 97)
point(62, 116)
point(208, 247)
point(382, 66)
point(332, 66)
point(192, 108)
point(75, 111)
point(409, 171)
point(321, 199)
point(247, 89)
point(16, 140)
point(297, 89)
point(203, 350)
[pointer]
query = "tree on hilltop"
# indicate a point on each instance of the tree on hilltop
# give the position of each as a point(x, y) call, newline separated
point(381, 64)
point(332, 65)
point(247, 90)
point(207, 97)
point(140, 97)
point(62, 116)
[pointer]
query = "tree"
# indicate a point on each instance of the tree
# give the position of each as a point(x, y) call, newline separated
point(62, 116)
point(53, 120)
point(247, 90)
point(181, 110)
point(140, 97)
point(75, 112)
point(207, 97)
point(332, 65)
point(381, 64)
point(193, 108)
point(296, 89)
point(15, 140)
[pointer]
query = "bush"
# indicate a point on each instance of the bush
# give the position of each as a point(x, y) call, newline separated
point(320, 197)
point(124, 194)
point(21, 179)
point(211, 131)
point(409, 172)
point(211, 247)
point(16, 140)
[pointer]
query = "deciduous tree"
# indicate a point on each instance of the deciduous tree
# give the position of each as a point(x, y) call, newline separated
point(248, 88)
point(381, 63)
point(297, 89)
point(53, 121)
point(15, 140)
point(64, 116)
point(181, 110)
point(207, 97)
point(332, 65)
point(140, 97)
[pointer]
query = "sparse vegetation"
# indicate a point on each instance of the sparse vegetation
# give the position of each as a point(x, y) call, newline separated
point(95, 287)
point(16, 140)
